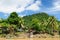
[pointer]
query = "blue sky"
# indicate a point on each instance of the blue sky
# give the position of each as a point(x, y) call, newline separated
point(28, 7)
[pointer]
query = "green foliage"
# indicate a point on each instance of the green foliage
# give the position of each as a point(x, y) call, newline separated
point(13, 18)
point(35, 24)
point(0, 20)
point(12, 21)
point(59, 28)
point(40, 22)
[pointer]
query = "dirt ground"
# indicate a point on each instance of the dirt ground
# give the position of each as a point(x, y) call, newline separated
point(36, 37)
point(31, 39)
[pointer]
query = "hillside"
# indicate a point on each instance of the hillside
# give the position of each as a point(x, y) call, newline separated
point(41, 22)
point(38, 16)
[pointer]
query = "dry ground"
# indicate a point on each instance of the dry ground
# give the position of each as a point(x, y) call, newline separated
point(31, 39)
point(36, 37)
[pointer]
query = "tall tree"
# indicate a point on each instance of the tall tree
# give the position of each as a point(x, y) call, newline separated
point(21, 22)
point(52, 24)
point(13, 18)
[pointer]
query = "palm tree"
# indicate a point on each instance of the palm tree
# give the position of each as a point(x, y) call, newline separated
point(52, 25)
point(21, 23)
point(59, 28)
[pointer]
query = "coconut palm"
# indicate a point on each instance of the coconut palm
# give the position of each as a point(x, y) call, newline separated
point(52, 25)
point(21, 24)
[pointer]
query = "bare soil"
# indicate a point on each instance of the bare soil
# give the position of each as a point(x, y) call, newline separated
point(31, 39)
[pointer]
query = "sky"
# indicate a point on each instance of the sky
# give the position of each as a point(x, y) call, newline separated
point(29, 7)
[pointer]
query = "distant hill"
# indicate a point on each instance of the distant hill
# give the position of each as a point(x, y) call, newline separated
point(40, 20)
point(39, 16)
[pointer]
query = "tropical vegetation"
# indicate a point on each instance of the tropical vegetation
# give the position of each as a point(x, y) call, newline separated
point(39, 22)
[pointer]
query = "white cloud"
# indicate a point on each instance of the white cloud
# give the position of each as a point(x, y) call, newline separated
point(8, 6)
point(56, 6)
point(34, 6)
point(22, 15)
